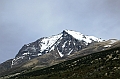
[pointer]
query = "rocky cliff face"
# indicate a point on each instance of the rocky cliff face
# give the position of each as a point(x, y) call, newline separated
point(63, 44)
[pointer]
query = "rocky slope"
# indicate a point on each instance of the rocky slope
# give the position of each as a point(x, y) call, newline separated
point(5, 65)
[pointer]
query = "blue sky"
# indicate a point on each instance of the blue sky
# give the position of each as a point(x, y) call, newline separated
point(24, 21)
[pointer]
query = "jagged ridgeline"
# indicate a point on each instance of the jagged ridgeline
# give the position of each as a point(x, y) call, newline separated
point(63, 44)
point(99, 65)
point(58, 46)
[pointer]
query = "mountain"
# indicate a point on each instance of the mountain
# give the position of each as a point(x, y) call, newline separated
point(48, 51)
point(104, 64)
point(62, 44)
point(59, 53)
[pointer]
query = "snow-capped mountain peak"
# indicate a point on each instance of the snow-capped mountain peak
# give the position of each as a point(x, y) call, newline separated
point(80, 36)
point(63, 44)
point(49, 41)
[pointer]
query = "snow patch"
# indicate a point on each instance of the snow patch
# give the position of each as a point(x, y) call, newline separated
point(49, 41)
point(26, 53)
point(70, 52)
point(39, 54)
point(112, 41)
point(27, 44)
point(13, 62)
point(29, 58)
point(61, 55)
point(80, 36)
point(64, 44)
point(15, 59)
point(52, 48)
point(107, 46)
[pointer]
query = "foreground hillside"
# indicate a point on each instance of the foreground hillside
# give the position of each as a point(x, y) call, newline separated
point(99, 65)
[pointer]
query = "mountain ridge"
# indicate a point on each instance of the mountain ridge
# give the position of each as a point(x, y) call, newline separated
point(65, 43)
point(48, 51)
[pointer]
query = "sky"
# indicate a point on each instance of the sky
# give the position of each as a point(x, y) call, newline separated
point(24, 21)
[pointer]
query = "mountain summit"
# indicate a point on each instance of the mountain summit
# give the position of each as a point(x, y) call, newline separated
point(62, 44)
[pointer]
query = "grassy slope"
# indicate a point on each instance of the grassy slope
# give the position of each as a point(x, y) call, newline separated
point(100, 65)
